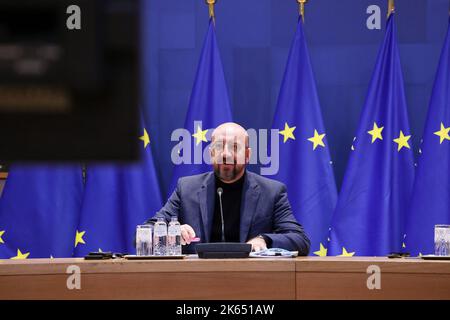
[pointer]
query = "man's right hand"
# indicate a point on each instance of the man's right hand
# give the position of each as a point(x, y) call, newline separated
point(187, 234)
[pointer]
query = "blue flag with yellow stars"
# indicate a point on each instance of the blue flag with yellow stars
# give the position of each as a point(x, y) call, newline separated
point(117, 198)
point(304, 164)
point(39, 211)
point(372, 205)
point(209, 106)
point(430, 203)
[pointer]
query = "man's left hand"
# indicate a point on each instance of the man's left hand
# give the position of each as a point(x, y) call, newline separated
point(258, 244)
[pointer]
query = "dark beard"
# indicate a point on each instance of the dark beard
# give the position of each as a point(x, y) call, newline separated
point(231, 175)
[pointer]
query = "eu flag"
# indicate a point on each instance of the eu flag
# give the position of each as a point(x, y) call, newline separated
point(373, 202)
point(116, 200)
point(209, 106)
point(303, 147)
point(39, 211)
point(430, 203)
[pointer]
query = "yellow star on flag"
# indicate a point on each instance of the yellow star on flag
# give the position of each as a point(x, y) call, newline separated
point(145, 138)
point(287, 133)
point(200, 135)
point(79, 238)
point(20, 255)
point(376, 132)
point(402, 141)
point(345, 253)
point(443, 133)
point(322, 252)
point(317, 140)
point(1, 234)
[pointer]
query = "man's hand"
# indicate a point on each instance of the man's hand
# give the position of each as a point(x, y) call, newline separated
point(187, 233)
point(258, 244)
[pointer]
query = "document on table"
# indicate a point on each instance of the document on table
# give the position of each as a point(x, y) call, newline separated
point(274, 253)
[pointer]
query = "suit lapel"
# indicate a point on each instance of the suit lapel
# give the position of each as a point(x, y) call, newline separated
point(250, 196)
point(206, 201)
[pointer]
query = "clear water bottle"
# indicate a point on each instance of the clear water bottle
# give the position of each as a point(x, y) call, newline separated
point(174, 237)
point(160, 237)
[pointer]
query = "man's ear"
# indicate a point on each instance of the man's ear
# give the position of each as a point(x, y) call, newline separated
point(248, 154)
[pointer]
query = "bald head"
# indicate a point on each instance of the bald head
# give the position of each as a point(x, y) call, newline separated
point(230, 129)
point(229, 151)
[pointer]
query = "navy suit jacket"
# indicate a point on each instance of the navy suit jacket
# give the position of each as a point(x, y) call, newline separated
point(265, 210)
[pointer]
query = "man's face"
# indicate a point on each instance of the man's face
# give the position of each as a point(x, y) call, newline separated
point(229, 154)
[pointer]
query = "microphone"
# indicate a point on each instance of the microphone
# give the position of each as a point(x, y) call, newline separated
point(219, 192)
point(222, 250)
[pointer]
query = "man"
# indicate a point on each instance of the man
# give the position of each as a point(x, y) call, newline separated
point(256, 210)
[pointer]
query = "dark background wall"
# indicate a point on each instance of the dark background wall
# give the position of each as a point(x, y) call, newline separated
point(254, 38)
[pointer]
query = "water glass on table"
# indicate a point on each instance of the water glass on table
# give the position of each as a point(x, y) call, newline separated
point(442, 240)
point(144, 240)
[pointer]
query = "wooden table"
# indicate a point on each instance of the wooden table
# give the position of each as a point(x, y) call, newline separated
point(234, 279)
point(346, 278)
point(191, 278)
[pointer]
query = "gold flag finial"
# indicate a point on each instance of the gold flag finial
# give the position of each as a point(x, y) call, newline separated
point(391, 8)
point(211, 4)
point(301, 5)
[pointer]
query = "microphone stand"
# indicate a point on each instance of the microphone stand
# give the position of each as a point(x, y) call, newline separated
point(222, 250)
point(219, 192)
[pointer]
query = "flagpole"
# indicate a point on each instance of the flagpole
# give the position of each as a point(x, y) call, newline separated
point(301, 7)
point(211, 4)
point(391, 8)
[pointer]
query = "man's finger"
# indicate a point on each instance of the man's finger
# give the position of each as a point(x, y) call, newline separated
point(190, 230)
point(185, 235)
